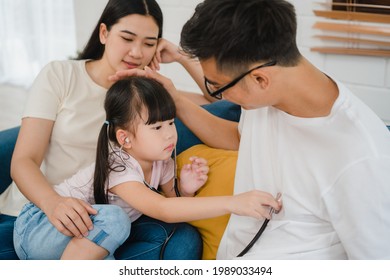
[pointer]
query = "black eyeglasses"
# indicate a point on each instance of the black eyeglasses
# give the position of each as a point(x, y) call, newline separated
point(218, 93)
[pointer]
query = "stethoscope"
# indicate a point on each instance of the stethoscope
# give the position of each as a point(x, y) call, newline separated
point(175, 182)
point(261, 230)
point(175, 187)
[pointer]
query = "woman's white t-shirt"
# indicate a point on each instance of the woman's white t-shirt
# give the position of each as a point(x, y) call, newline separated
point(64, 93)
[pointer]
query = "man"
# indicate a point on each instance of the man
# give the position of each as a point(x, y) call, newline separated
point(301, 133)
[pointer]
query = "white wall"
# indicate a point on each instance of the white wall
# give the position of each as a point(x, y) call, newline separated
point(87, 13)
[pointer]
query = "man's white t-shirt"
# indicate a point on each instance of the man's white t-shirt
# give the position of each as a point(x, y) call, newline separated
point(334, 176)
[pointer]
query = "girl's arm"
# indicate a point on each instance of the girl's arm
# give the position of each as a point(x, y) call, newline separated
point(183, 209)
point(70, 216)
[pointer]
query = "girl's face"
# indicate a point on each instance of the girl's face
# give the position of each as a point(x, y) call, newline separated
point(131, 43)
point(153, 142)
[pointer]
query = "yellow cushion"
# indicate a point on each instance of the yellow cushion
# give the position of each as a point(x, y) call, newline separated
point(222, 165)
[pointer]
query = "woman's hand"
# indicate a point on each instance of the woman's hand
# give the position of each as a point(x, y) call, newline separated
point(166, 52)
point(70, 216)
point(254, 204)
point(193, 176)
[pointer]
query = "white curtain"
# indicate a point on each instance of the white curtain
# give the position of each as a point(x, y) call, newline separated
point(32, 33)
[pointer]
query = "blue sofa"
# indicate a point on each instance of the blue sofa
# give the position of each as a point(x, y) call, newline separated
point(7, 140)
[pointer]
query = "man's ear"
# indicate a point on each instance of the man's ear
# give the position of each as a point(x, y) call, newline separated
point(262, 78)
point(103, 33)
point(123, 138)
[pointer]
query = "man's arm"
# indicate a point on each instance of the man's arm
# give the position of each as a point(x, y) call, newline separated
point(359, 208)
point(211, 130)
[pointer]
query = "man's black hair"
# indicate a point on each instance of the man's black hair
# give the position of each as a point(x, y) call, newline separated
point(237, 33)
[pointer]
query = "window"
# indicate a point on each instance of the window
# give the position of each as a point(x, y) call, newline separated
point(355, 27)
point(32, 34)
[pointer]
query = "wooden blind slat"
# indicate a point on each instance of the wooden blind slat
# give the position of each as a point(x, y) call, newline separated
point(345, 15)
point(353, 28)
point(353, 51)
point(354, 40)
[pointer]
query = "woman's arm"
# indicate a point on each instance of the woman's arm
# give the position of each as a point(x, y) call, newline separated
point(183, 209)
point(70, 216)
point(30, 148)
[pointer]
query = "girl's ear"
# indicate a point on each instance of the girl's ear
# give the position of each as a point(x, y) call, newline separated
point(123, 138)
point(103, 33)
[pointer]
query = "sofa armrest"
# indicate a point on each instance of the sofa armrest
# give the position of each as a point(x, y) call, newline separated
point(7, 145)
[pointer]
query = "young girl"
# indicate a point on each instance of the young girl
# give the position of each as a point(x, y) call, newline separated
point(133, 163)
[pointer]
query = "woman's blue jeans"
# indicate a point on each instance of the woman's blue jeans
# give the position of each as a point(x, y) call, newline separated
point(35, 238)
point(146, 241)
point(148, 235)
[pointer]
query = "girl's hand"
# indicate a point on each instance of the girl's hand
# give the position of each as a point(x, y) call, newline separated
point(193, 176)
point(70, 216)
point(254, 204)
point(166, 52)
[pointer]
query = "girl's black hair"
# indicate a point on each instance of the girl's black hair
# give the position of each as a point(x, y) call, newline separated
point(124, 103)
point(112, 13)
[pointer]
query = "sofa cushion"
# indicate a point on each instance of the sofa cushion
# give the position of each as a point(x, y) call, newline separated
point(222, 165)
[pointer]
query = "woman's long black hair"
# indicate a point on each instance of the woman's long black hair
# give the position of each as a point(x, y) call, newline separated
point(112, 13)
point(125, 101)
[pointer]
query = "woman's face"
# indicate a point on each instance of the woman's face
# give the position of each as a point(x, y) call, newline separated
point(131, 43)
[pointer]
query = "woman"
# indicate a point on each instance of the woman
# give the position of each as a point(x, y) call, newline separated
point(61, 123)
